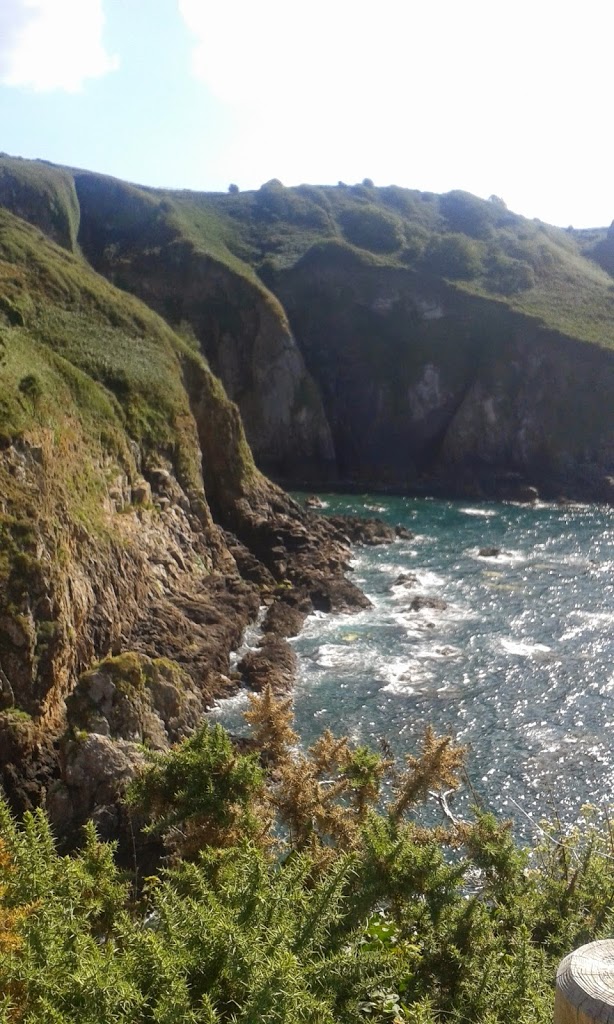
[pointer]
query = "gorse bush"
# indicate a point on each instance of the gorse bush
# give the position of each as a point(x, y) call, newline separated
point(371, 227)
point(453, 255)
point(294, 894)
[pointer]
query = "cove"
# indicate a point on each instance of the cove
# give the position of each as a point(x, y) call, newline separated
point(514, 658)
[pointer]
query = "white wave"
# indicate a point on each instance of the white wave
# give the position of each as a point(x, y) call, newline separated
point(594, 617)
point(330, 655)
point(524, 649)
point(348, 656)
point(420, 580)
point(224, 705)
point(486, 513)
point(404, 676)
point(428, 578)
point(400, 686)
point(414, 623)
point(589, 622)
point(437, 653)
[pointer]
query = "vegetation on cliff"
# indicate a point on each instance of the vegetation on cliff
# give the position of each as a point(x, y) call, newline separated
point(299, 886)
point(121, 461)
point(556, 275)
point(293, 894)
point(322, 309)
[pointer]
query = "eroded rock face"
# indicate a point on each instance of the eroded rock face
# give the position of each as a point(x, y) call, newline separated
point(428, 388)
point(240, 327)
point(127, 488)
point(126, 640)
point(273, 664)
point(368, 531)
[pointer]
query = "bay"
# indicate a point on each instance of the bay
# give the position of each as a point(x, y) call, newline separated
point(518, 665)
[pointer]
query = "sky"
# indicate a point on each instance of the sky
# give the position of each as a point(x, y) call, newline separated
point(493, 97)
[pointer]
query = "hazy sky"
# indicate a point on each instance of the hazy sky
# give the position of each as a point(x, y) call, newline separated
point(505, 98)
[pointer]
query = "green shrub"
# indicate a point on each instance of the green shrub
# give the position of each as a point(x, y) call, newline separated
point(393, 921)
point(372, 228)
point(508, 275)
point(454, 256)
point(30, 386)
point(471, 216)
point(297, 206)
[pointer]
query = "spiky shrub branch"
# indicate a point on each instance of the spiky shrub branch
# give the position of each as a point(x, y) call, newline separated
point(353, 914)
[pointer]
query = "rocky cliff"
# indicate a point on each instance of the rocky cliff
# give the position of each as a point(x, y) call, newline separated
point(144, 247)
point(375, 337)
point(137, 537)
point(371, 337)
point(425, 385)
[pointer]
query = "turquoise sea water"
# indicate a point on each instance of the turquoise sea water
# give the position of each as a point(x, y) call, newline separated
point(519, 665)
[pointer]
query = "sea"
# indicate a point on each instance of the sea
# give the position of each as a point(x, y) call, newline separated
point(516, 663)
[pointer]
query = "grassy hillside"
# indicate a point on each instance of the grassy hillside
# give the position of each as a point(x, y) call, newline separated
point(39, 191)
point(350, 267)
point(479, 245)
point(555, 275)
point(55, 307)
point(64, 326)
point(91, 376)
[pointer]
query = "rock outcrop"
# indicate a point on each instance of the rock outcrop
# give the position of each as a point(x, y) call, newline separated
point(127, 488)
point(429, 388)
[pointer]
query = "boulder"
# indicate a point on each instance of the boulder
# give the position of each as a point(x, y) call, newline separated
point(421, 601)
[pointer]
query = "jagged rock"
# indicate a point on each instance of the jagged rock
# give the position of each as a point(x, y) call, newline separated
point(403, 533)
point(606, 491)
point(489, 552)
point(287, 614)
point(96, 771)
point(368, 531)
point(274, 663)
point(406, 579)
point(248, 565)
point(422, 601)
point(132, 697)
point(161, 479)
point(336, 595)
point(527, 493)
point(141, 493)
point(7, 697)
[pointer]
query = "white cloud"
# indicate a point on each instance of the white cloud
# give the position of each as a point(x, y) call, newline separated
point(50, 45)
point(503, 98)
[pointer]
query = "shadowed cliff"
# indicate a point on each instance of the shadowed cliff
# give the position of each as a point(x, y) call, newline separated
point(370, 336)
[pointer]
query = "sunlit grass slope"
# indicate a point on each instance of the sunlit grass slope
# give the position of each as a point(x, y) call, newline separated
point(480, 246)
point(76, 350)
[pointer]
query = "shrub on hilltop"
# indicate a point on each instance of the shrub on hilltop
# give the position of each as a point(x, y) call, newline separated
point(371, 227)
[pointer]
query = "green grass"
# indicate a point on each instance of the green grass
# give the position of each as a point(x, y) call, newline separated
point(43, 194)
point(542, 271)
point(128, 358)
point(86, 369)
point(559, 285)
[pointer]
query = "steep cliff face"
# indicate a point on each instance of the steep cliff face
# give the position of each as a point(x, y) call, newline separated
point(116, 444)
point(401, 339)
point(427, 385)
point(140, 244)
point(43, 195)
